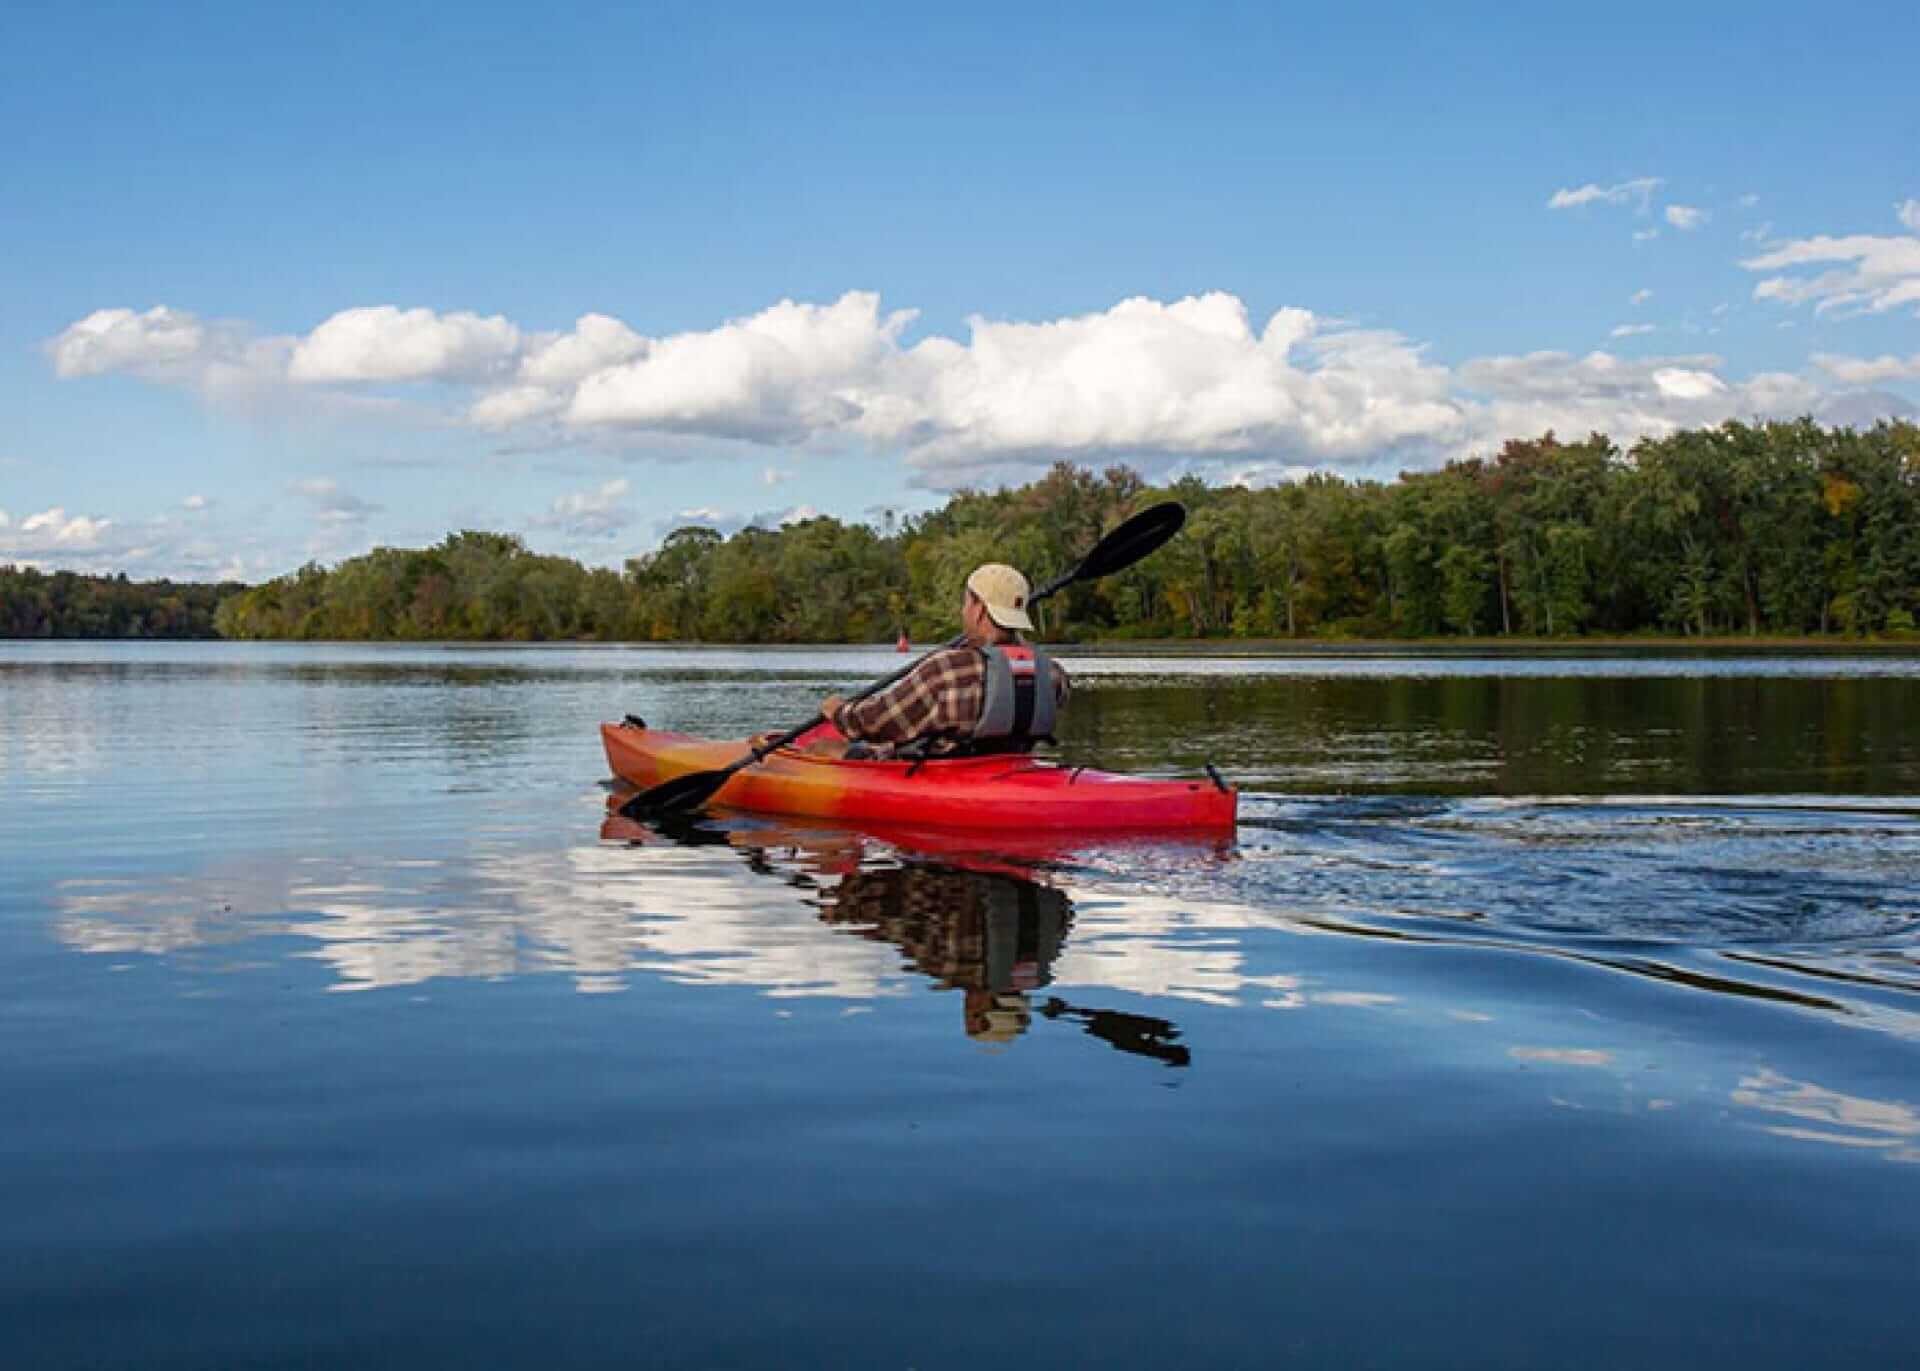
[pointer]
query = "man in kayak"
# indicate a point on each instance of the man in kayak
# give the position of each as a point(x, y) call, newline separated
point(993, 693)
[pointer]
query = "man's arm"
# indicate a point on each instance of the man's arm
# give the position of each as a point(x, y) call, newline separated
point(902, 712)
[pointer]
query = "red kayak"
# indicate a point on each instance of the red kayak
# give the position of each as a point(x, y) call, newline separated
point(829, 847)
point(1005, 793)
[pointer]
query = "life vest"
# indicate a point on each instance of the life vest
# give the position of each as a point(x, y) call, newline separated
point(1017, 702)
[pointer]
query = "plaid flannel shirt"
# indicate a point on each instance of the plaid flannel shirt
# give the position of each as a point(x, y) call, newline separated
point(939, 700)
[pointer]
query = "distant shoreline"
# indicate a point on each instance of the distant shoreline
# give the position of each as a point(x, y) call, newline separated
point(1388, 647)
point(1156, 647)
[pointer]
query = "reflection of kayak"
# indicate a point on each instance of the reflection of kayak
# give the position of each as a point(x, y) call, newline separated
point(830, 847)
point(1002, 793)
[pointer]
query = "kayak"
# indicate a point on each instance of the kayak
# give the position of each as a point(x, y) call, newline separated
point(1011, 792)
point(831, 847)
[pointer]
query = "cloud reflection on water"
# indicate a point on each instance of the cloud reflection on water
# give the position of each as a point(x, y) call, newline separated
point(816, 914)
point(1842, 1120)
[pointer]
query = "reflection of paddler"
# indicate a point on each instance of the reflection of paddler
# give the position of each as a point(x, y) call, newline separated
point(990, 936)
point(995, 1018)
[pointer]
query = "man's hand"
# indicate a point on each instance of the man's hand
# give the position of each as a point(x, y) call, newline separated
point(830, 707)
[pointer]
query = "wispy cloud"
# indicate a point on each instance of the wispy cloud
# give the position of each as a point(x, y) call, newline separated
point(1631, 330)
point(331, 505)
point(1908, 212)
point(1686, 218)
point(1867, 371)
point(1636, 192)
point(165, 545)
point(1868, 273)
point(597, 513)
point(1640, 297)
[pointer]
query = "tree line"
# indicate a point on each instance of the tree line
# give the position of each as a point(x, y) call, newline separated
point(67, 604)
point(1786, 528)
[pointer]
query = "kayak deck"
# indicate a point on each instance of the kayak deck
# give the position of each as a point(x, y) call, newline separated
point(1009, 792)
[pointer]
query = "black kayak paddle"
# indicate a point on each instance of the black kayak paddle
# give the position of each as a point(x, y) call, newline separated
point(1143, 533)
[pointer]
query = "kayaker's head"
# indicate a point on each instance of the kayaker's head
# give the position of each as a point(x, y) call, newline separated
point(996, 605)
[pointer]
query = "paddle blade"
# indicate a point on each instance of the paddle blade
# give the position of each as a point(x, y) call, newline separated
point(677, 796)
point(1134, 539)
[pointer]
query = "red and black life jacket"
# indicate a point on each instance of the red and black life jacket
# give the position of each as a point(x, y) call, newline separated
point(1017, 701)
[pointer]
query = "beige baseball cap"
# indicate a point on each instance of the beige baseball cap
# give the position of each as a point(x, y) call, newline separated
point(1004, 592)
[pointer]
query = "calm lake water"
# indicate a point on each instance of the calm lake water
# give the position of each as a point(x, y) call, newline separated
point(1552, 1011)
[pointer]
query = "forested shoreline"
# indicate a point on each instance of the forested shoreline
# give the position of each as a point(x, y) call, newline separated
point(68, 604)
point(1776, 529)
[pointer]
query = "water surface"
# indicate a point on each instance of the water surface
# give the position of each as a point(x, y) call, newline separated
point(1543, 1011)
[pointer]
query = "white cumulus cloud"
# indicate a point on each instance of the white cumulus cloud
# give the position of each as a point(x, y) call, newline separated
point(551, 365)
point(1686, 218)
point(1170, 386)
point(1682, 383)
point(54, 538)
point(383, 343)
point(1908, 212)
point(1636, 192)
point(515, 405)
point(563, 359)
point(107, 340)
point(782, 375)
point(57, 529)
point(1191, 377)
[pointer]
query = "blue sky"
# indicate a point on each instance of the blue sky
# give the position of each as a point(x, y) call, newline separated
point(285, 285)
